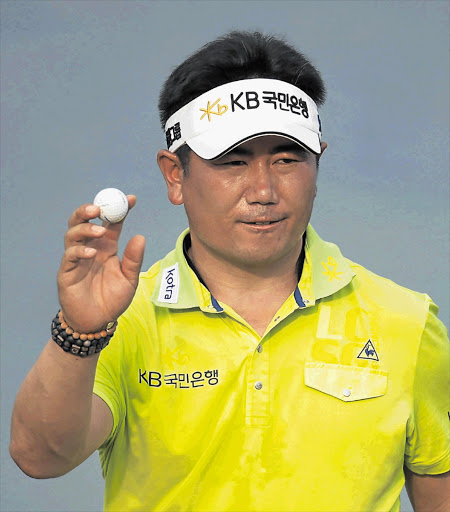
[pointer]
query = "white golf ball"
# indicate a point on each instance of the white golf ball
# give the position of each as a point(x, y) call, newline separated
point(113, 204)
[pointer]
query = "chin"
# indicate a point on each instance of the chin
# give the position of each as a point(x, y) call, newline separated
point(256, 258)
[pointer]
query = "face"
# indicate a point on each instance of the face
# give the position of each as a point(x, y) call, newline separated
point(250, 207)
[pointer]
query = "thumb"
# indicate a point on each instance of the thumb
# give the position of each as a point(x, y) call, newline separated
point(132, 259)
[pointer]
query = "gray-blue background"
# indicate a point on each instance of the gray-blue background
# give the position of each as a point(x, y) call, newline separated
point(79, 88)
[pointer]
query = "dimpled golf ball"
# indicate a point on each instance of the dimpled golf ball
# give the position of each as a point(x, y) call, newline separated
point(113, 204)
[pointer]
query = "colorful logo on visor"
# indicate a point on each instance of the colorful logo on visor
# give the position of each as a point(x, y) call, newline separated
point(221, 109)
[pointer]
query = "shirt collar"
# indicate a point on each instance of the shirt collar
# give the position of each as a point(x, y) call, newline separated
point(178, 286)
point(325, 270)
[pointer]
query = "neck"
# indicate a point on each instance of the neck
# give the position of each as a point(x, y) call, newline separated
point(210, 268)
point(243, 286)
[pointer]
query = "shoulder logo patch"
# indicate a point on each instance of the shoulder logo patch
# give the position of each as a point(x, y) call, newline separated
point(170, 285)
point(331, 269)
point(368, 352)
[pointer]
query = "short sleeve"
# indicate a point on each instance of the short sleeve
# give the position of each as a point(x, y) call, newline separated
point(428, 442)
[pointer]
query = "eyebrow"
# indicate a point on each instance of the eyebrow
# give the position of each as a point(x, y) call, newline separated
point(288, 148)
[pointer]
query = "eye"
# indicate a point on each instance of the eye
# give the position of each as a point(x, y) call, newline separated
point(232, 163)
point(287, 160)
point(291, 157)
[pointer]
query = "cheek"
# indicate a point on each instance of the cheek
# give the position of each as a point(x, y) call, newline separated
point(303, 188)
point(204, 201)
point(218, 194)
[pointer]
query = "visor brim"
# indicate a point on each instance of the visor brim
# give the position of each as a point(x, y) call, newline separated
point(215, 143)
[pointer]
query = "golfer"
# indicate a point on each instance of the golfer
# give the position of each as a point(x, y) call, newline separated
point(254, 368)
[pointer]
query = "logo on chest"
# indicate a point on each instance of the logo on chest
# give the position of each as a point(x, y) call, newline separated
point(344, 337)
point(197, 379)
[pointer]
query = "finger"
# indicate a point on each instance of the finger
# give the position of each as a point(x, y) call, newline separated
point(84, 213)
point(88, 211)
point(83, 233)
point(80, 219)
point(132, 259)
point(74, 255)
point(131, 201)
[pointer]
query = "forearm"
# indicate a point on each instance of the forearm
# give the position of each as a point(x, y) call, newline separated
point(428, 493)
point(52, 413)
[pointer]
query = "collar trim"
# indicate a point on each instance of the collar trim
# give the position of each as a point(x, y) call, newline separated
point(298, 298)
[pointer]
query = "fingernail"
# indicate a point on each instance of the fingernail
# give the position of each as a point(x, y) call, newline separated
point(97, 229)
point(89, 251)
point(91, 209)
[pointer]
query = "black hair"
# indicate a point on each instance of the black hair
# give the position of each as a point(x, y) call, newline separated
point(238, 55)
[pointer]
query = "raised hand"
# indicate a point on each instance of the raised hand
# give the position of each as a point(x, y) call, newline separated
point(94, 285)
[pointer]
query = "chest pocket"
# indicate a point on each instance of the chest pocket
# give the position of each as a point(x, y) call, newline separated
point(347, 383)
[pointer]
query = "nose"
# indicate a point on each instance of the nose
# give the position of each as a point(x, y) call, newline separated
point(261, 183)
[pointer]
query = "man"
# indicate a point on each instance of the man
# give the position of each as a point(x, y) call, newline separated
point(254, 368)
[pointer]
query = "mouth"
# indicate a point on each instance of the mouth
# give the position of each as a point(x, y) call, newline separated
point(265, 223)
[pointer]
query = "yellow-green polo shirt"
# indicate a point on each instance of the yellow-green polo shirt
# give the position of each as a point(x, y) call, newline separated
point(349, 382)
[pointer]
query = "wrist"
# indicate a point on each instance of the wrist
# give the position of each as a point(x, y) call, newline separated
point(91, 326)
point(78, 343)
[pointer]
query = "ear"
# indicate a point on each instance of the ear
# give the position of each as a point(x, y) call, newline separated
point(323, 147)
point(172, 171)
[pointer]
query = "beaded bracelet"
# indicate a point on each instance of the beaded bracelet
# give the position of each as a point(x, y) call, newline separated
point(80, 344)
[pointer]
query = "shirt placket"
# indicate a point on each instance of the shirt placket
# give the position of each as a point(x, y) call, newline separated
point(258, 387)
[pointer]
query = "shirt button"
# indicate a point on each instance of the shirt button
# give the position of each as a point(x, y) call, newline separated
point(259, 348)
point(258, 385)
point(346, 392)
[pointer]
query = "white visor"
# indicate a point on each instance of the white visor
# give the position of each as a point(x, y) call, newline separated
point(224, 117)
